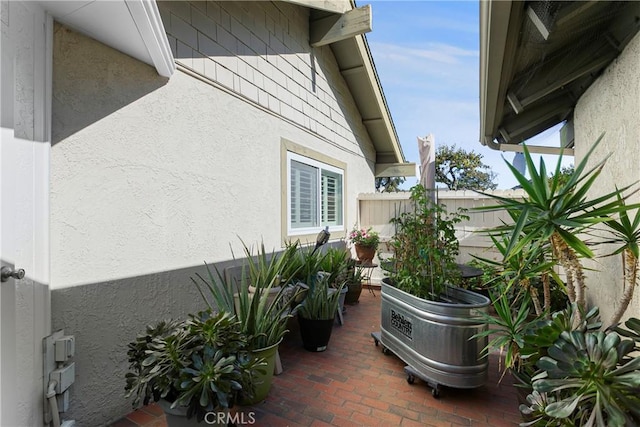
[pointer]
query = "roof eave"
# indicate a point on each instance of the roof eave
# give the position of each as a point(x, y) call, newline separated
point(357, 68)
point(499, 28)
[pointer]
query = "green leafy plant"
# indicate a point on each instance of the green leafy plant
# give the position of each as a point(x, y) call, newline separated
point(321, 302)
point(200, 363)
point(335, 261)
point(425, 247)
point(507, 328)
point(530, 272)
point(260, 299)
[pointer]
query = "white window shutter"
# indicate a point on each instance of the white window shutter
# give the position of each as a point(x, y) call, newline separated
point(304, 195)
point(331, 198)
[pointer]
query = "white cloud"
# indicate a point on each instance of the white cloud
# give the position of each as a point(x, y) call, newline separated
point(438, 52)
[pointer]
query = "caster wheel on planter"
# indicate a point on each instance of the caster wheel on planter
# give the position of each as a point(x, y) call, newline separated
point(386, 351)
point(435, 392)
point(411, 379)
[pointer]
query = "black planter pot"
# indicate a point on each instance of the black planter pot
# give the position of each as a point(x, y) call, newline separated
point(315, 333)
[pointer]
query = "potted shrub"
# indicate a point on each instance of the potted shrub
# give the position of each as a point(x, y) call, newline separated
point(192, 368)
point(366, 243)
point(316, 313)
point(263, 314)
point(421, 302)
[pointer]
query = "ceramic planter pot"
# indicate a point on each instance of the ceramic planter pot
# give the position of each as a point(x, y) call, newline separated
point(263, 380)
point(353, 293)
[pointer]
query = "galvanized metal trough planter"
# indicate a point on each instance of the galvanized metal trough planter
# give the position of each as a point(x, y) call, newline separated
point(434, 338)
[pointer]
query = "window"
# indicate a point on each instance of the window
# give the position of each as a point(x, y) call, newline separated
point(314, 195)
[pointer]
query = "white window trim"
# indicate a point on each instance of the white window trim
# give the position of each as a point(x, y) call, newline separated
point(320, 166)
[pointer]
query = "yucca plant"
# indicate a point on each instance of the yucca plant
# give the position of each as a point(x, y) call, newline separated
point(507, 329)
point(520, 272)
point(555, 212)
point(626, 233)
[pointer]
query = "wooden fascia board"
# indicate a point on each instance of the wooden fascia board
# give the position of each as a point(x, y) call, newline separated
point(385, 115)
point(333, 6)
point(384, 170)
point(338, 27)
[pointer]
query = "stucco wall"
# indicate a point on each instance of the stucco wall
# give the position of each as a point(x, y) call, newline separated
point(612, 105)
point(150, 177)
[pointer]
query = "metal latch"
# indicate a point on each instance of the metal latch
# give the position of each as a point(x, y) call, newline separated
point(7, 272)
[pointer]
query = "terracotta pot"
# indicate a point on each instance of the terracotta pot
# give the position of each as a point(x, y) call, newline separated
point(365, 254)
point(353, 293)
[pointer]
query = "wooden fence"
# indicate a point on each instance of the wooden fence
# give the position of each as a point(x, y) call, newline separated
point(377, 209)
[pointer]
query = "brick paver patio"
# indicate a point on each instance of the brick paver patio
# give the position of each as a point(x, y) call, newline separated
point(354, 384)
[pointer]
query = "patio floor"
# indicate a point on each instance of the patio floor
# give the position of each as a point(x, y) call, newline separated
point(354, 384)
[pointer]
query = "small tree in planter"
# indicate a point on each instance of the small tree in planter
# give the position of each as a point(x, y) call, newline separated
point(425, 247)
point(420, 303)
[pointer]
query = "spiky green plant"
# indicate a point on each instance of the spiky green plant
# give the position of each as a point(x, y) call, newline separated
point(321, 302)
point(626, 233)
point(519, 272)
point(262, 313)
point(555, 212)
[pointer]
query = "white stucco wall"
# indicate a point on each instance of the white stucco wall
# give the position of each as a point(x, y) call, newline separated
point(150, 177)
point(612, 105)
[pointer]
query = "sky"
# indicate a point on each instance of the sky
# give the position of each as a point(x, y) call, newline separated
point(426, 53)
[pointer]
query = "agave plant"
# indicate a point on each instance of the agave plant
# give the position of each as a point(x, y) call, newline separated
point(555, 211)
point(321, 302)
